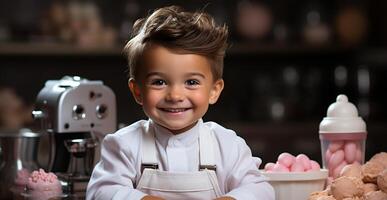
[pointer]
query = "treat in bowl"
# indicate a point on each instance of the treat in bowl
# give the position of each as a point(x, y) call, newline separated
point(287, 162)
point(295, 177)
point(42, 185)
point(22, 176)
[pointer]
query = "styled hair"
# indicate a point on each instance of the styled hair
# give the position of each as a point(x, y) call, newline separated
point(176, 29)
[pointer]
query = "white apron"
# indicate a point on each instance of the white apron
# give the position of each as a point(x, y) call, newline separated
point(198, 185)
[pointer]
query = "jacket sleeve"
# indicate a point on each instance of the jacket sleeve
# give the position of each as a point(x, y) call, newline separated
point(114, 175)
point(244, 180)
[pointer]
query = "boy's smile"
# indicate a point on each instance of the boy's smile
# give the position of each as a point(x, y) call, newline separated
point(175, 89)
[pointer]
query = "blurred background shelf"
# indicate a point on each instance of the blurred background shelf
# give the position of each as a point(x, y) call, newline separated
point(55, 49)
point(236, 48)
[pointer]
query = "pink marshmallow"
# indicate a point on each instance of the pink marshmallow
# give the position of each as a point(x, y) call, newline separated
point(280, 168)
point(335, 145)
point(337, 170)
point(297, 167)
point(302, 158)
point(359, 156)
point(286, 159)
point(328, 155)
point(269, 166)
point(336, 159)
point(315, 166)
point(350, 151)
point(300, 163)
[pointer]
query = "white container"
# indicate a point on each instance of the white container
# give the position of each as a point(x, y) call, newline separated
point(296, 185)
point(342, 136)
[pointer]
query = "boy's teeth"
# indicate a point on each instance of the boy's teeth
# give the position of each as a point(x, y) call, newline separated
point(175, 109)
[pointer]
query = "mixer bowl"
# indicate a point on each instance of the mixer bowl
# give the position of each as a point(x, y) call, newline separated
point(18, 158)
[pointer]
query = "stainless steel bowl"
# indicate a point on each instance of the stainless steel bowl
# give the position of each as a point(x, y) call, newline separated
point(18, 154)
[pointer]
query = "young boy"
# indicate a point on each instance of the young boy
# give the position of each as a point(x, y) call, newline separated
point(176, 61)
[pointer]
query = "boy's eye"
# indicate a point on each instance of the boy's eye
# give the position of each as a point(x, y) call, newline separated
point(192, 82)
point(158, 82)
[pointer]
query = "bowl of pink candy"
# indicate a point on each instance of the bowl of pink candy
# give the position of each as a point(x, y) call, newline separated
point(295, 177)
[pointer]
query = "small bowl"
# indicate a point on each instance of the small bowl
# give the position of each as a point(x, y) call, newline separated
point(296, 185)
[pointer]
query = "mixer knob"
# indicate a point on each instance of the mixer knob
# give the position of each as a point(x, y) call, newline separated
point(78, 112)
point(101, 111)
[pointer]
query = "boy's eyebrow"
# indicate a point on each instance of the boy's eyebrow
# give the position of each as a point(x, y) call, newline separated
point(196, 74)
point(153, 74)
point(161, 74)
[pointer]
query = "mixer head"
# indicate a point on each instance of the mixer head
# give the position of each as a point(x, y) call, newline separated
point(74, 108)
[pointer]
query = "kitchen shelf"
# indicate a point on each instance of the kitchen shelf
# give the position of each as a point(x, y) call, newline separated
point(238, 51)
point(236, 48)
point(56, 49)
point(292, 49)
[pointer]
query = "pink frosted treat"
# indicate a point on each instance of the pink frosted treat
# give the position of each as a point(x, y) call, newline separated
point(21, 179)
point(42, 185)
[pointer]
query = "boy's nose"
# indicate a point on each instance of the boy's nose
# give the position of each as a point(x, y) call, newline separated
point(175, 93)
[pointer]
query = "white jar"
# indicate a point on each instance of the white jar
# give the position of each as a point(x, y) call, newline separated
point(342, 136)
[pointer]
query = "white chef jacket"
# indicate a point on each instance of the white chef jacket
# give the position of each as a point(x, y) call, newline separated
point(118, 171)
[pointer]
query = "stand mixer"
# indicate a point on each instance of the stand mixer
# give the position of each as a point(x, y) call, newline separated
point(76, 113)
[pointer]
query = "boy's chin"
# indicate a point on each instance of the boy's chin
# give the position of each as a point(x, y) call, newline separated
point(178, 128)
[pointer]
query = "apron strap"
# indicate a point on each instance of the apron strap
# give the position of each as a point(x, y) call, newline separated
point(206, 149)
point(149, 159)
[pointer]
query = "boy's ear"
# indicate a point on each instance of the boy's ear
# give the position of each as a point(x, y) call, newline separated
point(216, 91)
point(135, 89)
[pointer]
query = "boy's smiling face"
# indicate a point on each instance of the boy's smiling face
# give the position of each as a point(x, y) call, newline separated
point(175, 89)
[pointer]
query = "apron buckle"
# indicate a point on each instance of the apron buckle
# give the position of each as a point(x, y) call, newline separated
point(208, 167)
point(149, 165)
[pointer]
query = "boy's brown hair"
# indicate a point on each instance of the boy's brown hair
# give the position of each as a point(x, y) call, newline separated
point(186, 32)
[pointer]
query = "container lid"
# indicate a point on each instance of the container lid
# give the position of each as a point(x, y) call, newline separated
point(342, 117)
